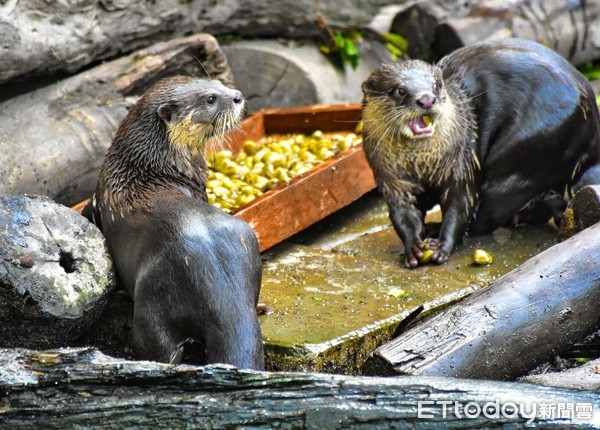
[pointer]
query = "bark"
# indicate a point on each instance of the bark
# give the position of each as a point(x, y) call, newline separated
point(74, 388)
point(53, 140)
point(38, 37)
point(518, 321)
point(584, 377)
point(272, 74)
point(435, 28)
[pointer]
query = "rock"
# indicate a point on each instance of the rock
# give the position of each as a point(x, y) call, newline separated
point(273, 74)
point(55, 273)
point(584, 377)
point(583, 210)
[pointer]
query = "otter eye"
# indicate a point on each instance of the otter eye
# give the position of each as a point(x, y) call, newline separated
point(436, 86)
point(399, 92)
point(211, 99)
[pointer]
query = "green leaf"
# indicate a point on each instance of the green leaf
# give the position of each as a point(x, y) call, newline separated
point(396, 40)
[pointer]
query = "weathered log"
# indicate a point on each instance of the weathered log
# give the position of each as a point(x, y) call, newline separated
point(53, 140)
point(584, 377)
point(55, 273)
point(38, 37)
point(272, 74)
point(435, 28)
point(73, 388)
point(516, 322)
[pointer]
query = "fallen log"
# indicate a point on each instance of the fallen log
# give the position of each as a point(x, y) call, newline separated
point(435, 28)
point(54, 139)
point(73, 388)
point(271, 74)
point(41, 37)
point(584, 377)
point(505, 329)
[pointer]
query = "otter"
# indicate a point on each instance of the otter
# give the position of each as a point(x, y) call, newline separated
point(193, 271)
point(488, 132)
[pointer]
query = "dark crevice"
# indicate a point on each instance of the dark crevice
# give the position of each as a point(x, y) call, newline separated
point(67, 262)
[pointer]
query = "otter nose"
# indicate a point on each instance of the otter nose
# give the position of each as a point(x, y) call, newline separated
point(426, 101)
point(238, 97)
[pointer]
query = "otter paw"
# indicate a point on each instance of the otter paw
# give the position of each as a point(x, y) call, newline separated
point(413, 254)
point(440, 255)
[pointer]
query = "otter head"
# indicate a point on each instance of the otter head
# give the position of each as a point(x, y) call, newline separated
point(407, 96)
point(195, 110)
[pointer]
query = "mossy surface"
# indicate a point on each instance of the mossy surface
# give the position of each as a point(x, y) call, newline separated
point(334, 287)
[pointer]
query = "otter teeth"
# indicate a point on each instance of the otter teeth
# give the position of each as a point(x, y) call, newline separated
point(421, 126)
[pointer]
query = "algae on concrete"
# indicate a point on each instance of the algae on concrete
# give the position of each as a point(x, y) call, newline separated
point(332, 287)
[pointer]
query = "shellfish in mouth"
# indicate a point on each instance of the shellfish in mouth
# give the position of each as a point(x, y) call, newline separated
point(421, 127)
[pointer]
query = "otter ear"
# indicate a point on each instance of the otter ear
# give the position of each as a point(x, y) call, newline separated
point(165, 112)
point(366, 87)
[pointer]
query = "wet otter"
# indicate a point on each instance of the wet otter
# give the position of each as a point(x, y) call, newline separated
point(194, 272)
point(486, 133)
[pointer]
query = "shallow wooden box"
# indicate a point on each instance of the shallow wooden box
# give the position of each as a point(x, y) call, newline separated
point(308, 198)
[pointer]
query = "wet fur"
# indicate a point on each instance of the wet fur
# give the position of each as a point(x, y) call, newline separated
point(513, 122)
point(194, 272)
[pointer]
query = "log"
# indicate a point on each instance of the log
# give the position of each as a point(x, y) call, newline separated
point(55, 273)
point(272, 74)
point(584, 377)
point(72, 388)
point(54, 139)
point(505, 329)
point(435, 28)
point(38, 37)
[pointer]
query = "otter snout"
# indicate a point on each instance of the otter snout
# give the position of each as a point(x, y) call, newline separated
point(238, 97)
point(426, 101)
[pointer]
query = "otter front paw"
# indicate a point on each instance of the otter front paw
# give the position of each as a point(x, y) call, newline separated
point(413, 253)
point(441, 252)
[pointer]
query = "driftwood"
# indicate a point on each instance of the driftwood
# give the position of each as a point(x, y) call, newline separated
point(53, 140)
point(37, 37)
point(55, 273)
point(584, 377)
point(507, 328)
point(76, 388)
point(272, 74)
point(435, 28)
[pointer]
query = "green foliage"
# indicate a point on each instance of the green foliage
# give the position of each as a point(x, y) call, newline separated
point(344, 47)
point(396, 44)
point(591, 71)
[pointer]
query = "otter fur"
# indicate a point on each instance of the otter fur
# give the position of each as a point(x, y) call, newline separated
point(193, 271)
point(488, 133)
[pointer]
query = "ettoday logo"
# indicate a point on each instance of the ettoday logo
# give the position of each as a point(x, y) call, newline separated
point(507, 410)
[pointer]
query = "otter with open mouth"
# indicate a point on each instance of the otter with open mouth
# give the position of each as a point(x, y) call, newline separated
point(486, 133)
point(193, 271)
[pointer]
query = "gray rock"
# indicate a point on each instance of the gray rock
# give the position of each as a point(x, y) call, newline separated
point(583, 210)
point(55, 273)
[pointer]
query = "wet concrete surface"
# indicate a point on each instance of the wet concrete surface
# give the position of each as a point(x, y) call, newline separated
point(339, 289)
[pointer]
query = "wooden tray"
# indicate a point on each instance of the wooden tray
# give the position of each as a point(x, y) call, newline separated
point(308, 198)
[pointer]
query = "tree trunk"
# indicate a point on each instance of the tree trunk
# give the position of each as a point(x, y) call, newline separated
point(38, 37)
point(76, 388)
point(435, 28)
point(53, 140)
point(522, 319)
